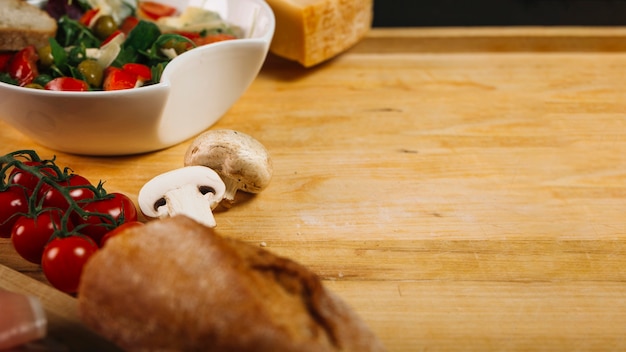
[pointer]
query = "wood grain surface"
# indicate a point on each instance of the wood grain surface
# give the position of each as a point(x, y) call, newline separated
point(64, 330)
point(461, 189)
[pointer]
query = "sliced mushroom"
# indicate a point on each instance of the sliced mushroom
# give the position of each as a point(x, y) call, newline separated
point(193, 191)
point(242, 162)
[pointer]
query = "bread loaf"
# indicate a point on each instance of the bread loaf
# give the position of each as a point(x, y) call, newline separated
point(313, 31)
point(23, 24)
point(175, 285)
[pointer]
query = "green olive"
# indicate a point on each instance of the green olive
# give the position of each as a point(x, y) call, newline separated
point(104, 27)
point(178, 46)
point(92, 71)
point(45, 56)
point(34, 86)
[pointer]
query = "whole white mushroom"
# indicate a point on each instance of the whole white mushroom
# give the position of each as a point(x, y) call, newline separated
point(241, 161)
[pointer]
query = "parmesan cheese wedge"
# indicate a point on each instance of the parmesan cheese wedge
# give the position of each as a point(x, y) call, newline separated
point(313, 31)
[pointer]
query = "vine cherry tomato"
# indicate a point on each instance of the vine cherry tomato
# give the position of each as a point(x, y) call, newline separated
point(30, 234)
point(28, 180)
point(155, 10)
point(116, 231)
point(13, 202)
point(63, 261)
point(67, 84)
point(52, 197)
point(117, 205)
point(23, 66)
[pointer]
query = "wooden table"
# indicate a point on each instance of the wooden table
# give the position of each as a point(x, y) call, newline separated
point(461, 189)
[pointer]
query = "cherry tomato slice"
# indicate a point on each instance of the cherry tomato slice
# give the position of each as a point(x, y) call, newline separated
point(117, 79)
point(214, 38)
point(13, 202)
point(142, 71)
point(30, 235)
point(87, 18)
point(155, 10)
point(116, 231)
point(67, 84)
point(118, 206)
point(128, 24)
point(111, 37)
point(188, 35)
point(23, 66)
point(63, 261)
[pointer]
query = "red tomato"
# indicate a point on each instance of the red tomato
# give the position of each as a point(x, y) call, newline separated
point(12, 202)
point(111, 37)
point(87, 18)
point(23, 66)
point(27, 179)
point(67, 84)
point(188, 35)
point(63, 261)
point(118, 206)
point(116, 79)
point(31, 234)
point(155, 10)
point(128, 24)
point(54, 198)
point(142, 71)
point(214, 38)
point(116, 231)
point(5, 58)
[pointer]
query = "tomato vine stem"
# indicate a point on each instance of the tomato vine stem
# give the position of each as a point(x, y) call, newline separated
point(48, 173)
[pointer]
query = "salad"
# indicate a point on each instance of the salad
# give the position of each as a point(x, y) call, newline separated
point(111, 45)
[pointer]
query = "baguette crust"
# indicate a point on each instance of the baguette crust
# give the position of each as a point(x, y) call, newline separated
point(23, 24)
point(175, 285)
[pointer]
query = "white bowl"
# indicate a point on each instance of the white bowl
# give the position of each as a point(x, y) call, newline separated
point(195, 90)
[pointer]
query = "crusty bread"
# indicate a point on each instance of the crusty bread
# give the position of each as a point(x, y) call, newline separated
point(23, 24)
point(175, 285)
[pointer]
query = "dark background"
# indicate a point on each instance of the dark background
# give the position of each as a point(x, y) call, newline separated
point(401, 13)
